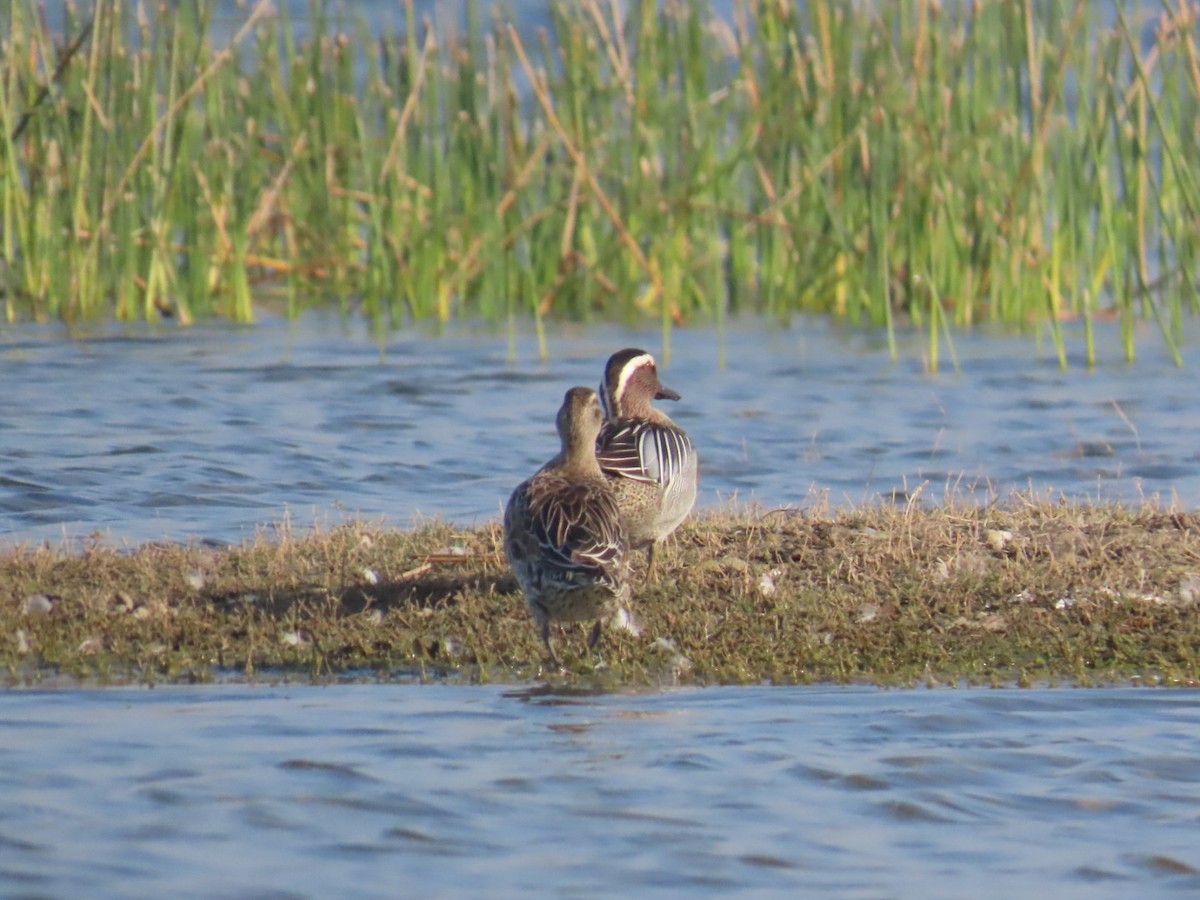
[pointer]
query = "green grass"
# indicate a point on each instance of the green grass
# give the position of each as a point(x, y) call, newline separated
point(1029, 590)
point(918, 163)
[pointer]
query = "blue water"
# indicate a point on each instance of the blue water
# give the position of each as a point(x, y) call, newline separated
point(212, 432)
point(452, 791)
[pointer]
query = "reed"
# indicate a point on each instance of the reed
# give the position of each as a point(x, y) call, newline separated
point(925, 165)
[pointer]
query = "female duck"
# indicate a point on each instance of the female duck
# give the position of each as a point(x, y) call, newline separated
point(562, 529)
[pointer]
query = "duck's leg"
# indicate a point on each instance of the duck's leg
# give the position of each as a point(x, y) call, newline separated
point(594, 635)
point(550, 647)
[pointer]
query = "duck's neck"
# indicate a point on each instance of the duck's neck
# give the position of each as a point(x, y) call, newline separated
point(641, 409)
point(578, 455)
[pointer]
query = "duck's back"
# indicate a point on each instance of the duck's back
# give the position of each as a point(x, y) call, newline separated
point(565, 543)
point(652, 467)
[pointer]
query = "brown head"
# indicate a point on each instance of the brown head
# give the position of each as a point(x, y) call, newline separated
point(631, 383)
point(579, 421)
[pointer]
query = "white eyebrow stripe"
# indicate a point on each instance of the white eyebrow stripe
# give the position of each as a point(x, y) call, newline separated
point(627, 371)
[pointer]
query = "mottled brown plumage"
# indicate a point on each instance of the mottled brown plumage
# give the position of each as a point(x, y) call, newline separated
point(562, 529)
point(649, 460)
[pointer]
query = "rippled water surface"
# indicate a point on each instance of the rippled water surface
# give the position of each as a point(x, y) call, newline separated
point(439, 790)
point(209, 432)
point(389, 790)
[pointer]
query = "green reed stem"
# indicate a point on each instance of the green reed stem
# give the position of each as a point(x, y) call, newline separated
point(641, 162)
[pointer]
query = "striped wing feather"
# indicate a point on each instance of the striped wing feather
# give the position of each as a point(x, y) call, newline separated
point(576, 526)
point(642, 450)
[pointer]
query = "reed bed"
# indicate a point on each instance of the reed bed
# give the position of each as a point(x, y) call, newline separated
point(1030, 590)
point(911, 164)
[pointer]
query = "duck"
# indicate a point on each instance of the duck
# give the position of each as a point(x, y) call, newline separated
point(563, 532)
point(650, 461)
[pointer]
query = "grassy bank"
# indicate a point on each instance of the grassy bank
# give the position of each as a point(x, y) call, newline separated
point(1030, 591)
point(943, 164)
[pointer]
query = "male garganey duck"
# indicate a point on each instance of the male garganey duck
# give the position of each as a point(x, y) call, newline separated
point(649, 460)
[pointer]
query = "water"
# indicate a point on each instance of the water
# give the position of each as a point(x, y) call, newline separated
point(441, 791)
point(211, 432)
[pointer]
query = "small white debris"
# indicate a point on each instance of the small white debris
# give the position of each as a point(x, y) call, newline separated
point(374, 616)
point(455, 550)
point(680, 664)
point(766, 584)
point(195, 580)
point(452, 646)
point(37, 605)
point(624, 620)
point(292, 638)
point(941, 571)
point(868, 612)
point(1024, 597)
point(997, 539)
point(1189, 589)
point(369, 576)
point(1065, 603)
point(22, 641)
point(88, 645)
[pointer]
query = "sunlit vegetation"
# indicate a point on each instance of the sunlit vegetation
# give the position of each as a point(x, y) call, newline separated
point(891, 164)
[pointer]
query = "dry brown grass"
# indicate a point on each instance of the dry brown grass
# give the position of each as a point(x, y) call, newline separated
point(1027, 591)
